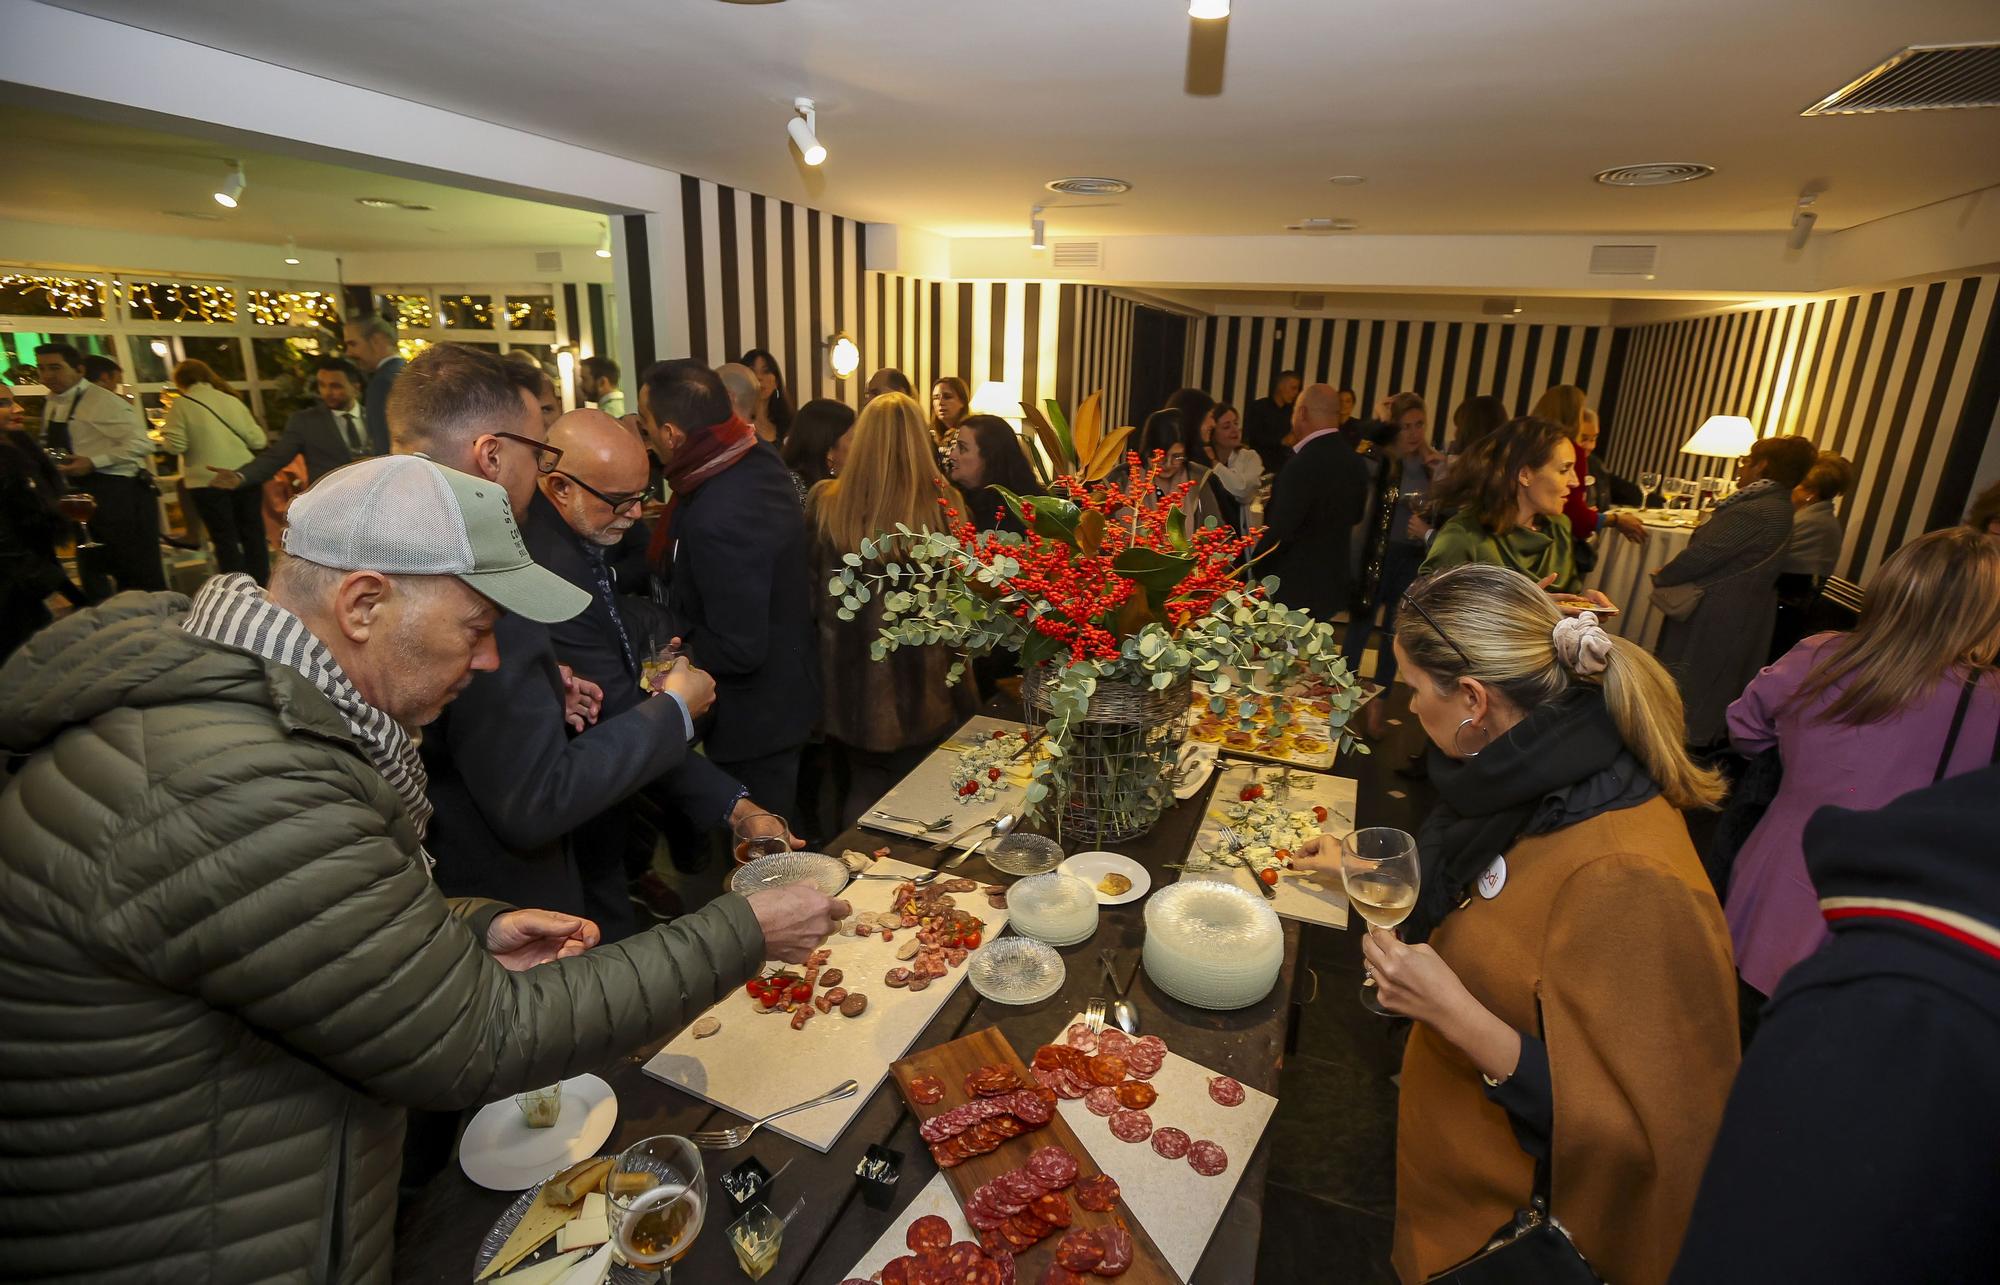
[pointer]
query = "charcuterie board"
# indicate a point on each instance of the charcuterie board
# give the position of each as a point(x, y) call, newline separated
point(1320, 900)
point(756, 1061)
point(979, 1053)
point(987, 754)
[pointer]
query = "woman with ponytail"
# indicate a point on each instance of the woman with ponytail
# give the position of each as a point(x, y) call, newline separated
point(1566, 962)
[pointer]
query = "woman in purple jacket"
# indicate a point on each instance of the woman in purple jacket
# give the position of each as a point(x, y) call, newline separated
point(1909, 698)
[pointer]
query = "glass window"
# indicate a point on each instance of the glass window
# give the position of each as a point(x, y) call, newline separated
point(531, 312)
point(408, 349)
point(151, 357)
point(545, 354)
point(291, 357)
point(492, 348)
point(223, 353)
point(17, 351)
point(27, 295)
point(413, 311)
point(293, 308)
point(180, 301)
point(466, 311)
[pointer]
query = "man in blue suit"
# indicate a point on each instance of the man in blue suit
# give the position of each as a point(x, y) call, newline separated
point(371, 345)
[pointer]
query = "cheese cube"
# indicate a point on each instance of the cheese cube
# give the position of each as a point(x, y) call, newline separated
point(591, 1226)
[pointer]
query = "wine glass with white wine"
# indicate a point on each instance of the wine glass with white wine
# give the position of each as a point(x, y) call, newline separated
point(1378, 867)
point(658, 1198)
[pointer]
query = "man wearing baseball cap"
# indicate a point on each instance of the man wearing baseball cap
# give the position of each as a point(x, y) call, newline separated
point(227, 970)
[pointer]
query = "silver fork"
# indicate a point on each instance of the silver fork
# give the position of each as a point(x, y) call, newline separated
point(735, 1136)
point(926, 827)
point(1093, 1016)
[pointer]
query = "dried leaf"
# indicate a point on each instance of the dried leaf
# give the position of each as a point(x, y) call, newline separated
point(1051, 445)
point(1109, 454)
point(1089, 531)
point(1086, 427)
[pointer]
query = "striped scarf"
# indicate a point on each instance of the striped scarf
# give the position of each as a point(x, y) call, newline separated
point(233, 611)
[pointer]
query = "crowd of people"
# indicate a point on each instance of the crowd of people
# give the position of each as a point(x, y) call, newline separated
point(368, 829)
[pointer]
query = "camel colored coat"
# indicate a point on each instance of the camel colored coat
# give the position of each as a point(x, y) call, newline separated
point(1611, 924)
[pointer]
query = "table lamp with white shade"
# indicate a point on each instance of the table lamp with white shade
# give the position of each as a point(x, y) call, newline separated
point(1728, 437)
point(997, 397)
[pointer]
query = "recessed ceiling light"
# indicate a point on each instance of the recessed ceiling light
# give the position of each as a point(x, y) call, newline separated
point(411, 205)
point(1090, 186)
point(376, 202)
point(1322, 225)
point(1348, 180)
point(1210, 9)
point(1654, 174)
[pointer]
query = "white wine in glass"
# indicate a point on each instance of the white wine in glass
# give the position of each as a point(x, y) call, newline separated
point(658, 1199)
point(1379, 868)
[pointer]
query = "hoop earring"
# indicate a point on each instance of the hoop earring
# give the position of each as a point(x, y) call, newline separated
point(1463, 724)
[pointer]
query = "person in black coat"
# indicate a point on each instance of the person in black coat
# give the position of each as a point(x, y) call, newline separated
point(741, 590)
point(1861, 1138)
point(1268, 421)
point(1316, 501)
point(327, 435)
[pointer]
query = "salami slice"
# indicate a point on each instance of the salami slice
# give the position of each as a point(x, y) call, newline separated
point(1116, 1243)
point(1107, 1068)
point(1046, 1058)
point(1068, 1087)
point(1207, 1159)
point(1102, 1100)
point(1154, 1043)
point(1023, 1230)
point(1004, 1261)
point(962, 1258)
point(1226, 1091)
point(1170, 1142)
point(919, 982)
point(1052, 1207)
point(994, 1243)
point(1132, 1126)
point(1098, 1193)
point(1057, 1274)
point(926, 1089)
point(1080, 1250)
point(897, 977)
point(1010, 1126)
point(1019, 1184)
point(1136, 1094)
point(1113, 1040)
point(900, 1271)
point(984, 1217)
point(928, 1235)
point(1052, 1167)
point(1030, 1109)
point(1081, 1038)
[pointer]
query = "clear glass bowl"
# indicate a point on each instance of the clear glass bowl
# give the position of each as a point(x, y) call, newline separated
point(1213, 945)
point(1057, 908)
point(1015, 970)
point(1024, 854)
point(821, 871)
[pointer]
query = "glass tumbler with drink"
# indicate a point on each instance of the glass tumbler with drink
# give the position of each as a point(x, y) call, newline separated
point(658, 1196)
point(1378, 867)
point(761, 834)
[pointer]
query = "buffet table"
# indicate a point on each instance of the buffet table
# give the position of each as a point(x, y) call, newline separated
point(440, 1229)
point(1624, 573)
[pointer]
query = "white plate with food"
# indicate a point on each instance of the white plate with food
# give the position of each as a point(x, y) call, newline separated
point(1116, 880)
point(501, 1152)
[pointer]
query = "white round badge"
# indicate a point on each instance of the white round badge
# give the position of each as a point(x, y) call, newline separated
point(1493, 878)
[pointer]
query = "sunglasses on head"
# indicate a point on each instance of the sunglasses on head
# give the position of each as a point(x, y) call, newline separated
point(1410, 601)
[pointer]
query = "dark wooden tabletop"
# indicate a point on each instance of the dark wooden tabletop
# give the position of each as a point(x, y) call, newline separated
point(440, 1228)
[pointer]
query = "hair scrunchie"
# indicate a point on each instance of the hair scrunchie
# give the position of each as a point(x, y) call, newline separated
point(1582, 644)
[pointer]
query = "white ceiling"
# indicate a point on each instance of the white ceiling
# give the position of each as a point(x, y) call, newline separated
point(95, 174)
point(1467, 116)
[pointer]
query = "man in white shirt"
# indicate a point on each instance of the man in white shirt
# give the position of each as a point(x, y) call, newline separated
point(110, 459)
point(597, 378)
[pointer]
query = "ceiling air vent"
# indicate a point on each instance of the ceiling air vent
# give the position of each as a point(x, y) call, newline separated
point(548, 260)
point(1090, 186)
point(1308, 302)
point(1500, 307)
point(1076, 256)
point(1921, 78)
point(1654, 174)
point(1322, 225)
point(1623, 260)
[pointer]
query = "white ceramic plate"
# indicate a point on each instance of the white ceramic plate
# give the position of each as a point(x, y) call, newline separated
point(499, 1151)
point(1092, 866)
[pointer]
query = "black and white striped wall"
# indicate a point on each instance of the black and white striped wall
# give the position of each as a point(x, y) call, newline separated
point(1881, 377)
point(1236, 359)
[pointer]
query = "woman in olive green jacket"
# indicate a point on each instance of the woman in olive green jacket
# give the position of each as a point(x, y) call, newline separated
point(1509, 490)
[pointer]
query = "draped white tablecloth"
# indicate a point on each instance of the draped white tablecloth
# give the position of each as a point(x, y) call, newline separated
point(1624, 573)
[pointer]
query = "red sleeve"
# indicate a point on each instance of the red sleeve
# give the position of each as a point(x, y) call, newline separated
point(1582, 518)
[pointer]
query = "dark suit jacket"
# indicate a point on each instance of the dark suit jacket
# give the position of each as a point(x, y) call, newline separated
point(313, 433)
point(1315, 502)
point(375, 402)
point(1265, 424)
point(741, 599)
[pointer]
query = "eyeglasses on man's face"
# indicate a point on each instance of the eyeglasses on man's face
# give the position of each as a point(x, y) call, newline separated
point(616, 503)
point(546, 456)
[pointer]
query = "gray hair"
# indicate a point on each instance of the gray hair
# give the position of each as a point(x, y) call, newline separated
point(302, 583)
point(743, 386)
point(374, 326)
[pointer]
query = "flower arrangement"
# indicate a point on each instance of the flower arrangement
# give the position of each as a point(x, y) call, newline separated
point(1107, 593)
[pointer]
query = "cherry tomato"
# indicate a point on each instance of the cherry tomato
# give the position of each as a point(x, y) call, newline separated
point(1269, 876)
point(992, 773)
point(1284, 855)
point(754, 987)
point(1319, 813)
point(801, 993)
point(971, 940)
point(1251, 793)
point(769, 999)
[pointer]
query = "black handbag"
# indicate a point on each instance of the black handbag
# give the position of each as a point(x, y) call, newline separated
point(1532, 1249)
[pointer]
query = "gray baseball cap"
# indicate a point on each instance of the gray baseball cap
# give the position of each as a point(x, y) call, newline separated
point(410, 516)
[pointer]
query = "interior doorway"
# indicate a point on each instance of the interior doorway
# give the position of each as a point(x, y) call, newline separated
point(1159, 351)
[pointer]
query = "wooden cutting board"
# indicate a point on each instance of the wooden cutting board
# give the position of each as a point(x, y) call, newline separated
point(950, 1063)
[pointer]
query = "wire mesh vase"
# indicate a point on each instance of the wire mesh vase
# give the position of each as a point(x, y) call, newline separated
point(1116, 779)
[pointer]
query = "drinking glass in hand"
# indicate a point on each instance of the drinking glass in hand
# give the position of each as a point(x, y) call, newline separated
point(761, 834)
point(1378, 867)
point(658, 1197)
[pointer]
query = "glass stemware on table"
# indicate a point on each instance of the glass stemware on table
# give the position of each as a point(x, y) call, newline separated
point(1379, 869)
point(1649, 486)
point(658, 1197)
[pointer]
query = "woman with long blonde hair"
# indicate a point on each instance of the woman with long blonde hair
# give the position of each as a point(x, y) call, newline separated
point(213, 432)
point(882, 716)
point(1907, 699)
point(1563, 934)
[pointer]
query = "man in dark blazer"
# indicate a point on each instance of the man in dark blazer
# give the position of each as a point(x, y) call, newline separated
point(371, 345)
point(1268, 421)
point(742, 588)
point(327, 435)
point(1318, 497)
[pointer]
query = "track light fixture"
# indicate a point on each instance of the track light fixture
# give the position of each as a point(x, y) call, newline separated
point(292, 251)
point(1038, 228)
point(604, 242)
point(1803, 219)
point(232, 187)
point(803, 127)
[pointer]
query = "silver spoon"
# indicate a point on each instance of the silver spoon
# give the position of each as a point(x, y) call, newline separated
point(1002, 826)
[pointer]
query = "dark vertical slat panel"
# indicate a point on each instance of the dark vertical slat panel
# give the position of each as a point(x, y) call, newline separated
point(1347, 348)
point(639, 271)
point(1504, 377)
point(1322, 367)
point(1586, 361)
point(788, 279)
point(1442, 430)
point(697, 281)
point(996, 345)
point(1829, 437)
point(1396, 361)
point(935, 357)
point(1558, 354)
point(1871, 420)
point(1229, 343)
point(1925, 431)
point(760, 273)
point(1207, 380)
point(1975, 425)
point(1891, 424)
point(1529, 394)
point(1421, 378)
point(965, 307)
point(728, 272)
point(1252, 375)
point(815, 304)
point(1609, 398)
point(1031, 343)
point(1846, 425)
point(1066, 335)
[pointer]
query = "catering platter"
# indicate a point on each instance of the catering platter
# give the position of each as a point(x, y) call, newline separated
point(1297, 726)
point(1280, 811)
point(981, 770)
point(557, 1227)
point(754, 1058)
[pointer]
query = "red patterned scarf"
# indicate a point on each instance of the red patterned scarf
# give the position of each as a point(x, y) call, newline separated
point(699, 457)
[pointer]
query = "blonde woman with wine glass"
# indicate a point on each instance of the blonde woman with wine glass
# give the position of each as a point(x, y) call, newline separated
point(1566, 963)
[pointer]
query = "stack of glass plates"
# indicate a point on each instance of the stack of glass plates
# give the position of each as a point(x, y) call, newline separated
point(1212, 945)
point(1024, 854)
point(1056, 908)
point(819, 870)
point(1014, 970)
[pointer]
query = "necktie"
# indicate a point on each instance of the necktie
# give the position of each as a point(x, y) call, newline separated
point(354, 442)
point(602, 574)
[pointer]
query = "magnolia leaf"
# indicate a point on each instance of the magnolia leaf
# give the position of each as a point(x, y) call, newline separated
point(1089, 531)
point(1108, 455)
point(1158, 574)
point(1177, 530)
point(1049, 516)
point(1133, 616)
point(1053, 436)
point(1037, 648)
point(1086, 430)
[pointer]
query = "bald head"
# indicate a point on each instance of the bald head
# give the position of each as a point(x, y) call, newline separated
point(603, 476)
point(1318, 408)
point(741, 381)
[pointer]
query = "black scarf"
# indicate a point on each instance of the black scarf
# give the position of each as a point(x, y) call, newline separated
point(1562, 764)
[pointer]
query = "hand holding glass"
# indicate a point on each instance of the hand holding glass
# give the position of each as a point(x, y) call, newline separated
point(1379, 869)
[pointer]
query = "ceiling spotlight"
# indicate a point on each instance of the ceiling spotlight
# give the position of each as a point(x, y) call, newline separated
point(1348, 180)
point(1208, 8)
point(604, 242)
point(292, 251)
point(1039, 228)
point(232, 187)
point(803, 128)
point(1803, 219)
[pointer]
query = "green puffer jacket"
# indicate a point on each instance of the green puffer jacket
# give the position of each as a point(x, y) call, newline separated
point(224, 971)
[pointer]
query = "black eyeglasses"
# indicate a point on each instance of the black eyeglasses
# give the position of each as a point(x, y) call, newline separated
point(618, 503)
point(1410, 601)
point(546, 456)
